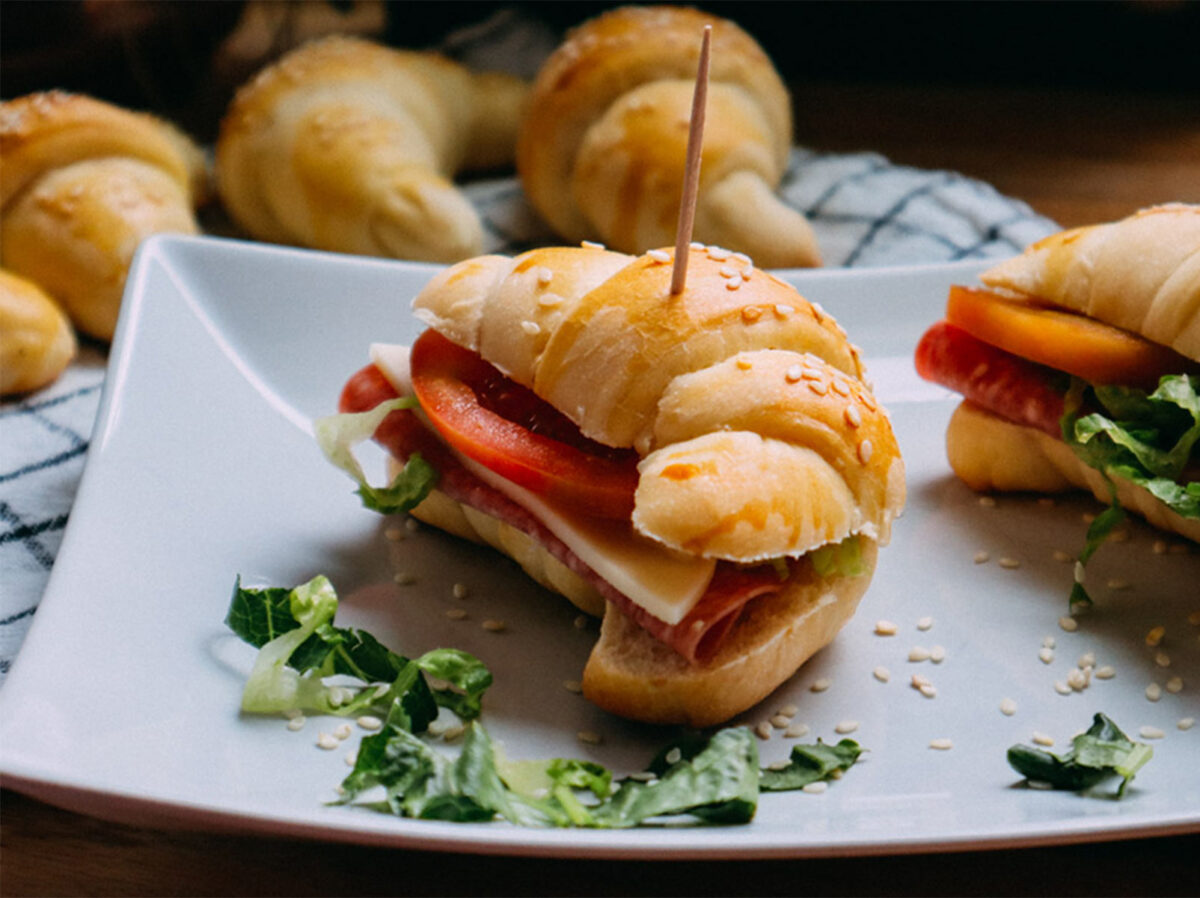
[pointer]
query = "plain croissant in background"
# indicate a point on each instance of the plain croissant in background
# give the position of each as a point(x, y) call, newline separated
point(349, 146)
point(603, 145)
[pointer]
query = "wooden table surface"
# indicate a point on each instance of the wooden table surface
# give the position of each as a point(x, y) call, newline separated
point(1075, 157)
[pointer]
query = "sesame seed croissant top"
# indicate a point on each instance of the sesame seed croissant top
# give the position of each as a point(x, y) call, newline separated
point(758, 438)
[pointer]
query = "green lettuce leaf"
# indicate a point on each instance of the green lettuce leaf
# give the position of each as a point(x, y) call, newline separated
point(337, 435)
point(1096, 755)
point(811, 763)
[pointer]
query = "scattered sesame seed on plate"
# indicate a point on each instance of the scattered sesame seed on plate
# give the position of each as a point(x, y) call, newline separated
point(1063, 557)
point(1153, 692)
point(1009, 563)
point(918, 653)
point(1115, 583)
point(982, 557)
point(796, 731)
point(1008, 707)
point(459, 590)
point(925, 623)
point(941, 744)
point(588, 737)
point(453, 731)
point(1069, 624)
point(1062, 688)
point(1106, 672)
point(821, 685)
point(494, 626)
point(394, 533)
point(1159, 547)
point(296, 724)
point(1186, 723)
point(1086, 660)
point(918, 681)
point(412, 525)
point(1077, 679)
point(937, 654)
point(987, 501)
point(780, 722)
point(326, 742)
point(369, 722)
point(928, 690)
point(763, 730)
point(403, 578)
point(885, 628)
point(1042, 739)
point(881, 674)
point(1162, 659)
point(845, 727)
point(573, 686)
point(342, 731)
point(1155, 636)
point(789, 710)
point(815, 788)
point(1046, 655)
point(1175, 685)
point(457, 614)
point(351, 758)
point(1048, 642)
point(1149, 732)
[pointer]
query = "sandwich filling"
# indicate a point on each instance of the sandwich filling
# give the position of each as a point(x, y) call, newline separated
point(499, 449)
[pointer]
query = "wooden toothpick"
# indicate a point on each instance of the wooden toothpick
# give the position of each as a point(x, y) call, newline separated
point(691, 172)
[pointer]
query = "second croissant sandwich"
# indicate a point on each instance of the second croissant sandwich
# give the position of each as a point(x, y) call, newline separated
point(706, 470)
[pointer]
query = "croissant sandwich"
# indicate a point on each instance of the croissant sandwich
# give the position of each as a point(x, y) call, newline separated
point(602, 147)
point(350, 146)
point(1079, 363)
point(705, 470)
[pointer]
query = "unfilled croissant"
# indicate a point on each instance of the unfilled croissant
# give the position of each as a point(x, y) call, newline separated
point(82, 184)
point(602, 147)
point(36, 339)
point(349, 146)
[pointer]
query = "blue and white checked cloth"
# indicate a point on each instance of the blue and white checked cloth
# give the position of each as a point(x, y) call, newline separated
point(864, 210)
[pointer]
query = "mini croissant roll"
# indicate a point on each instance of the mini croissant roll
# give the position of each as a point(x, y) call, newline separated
point(82, 183)
point(602, 148)
point(758, 438)
point(349, 146)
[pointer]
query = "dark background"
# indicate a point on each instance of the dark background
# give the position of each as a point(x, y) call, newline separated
point(161, 55)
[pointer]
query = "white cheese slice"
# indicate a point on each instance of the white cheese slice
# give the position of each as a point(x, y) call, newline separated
point(665, 583)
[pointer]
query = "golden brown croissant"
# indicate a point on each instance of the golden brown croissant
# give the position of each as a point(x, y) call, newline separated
point(758, 442)
point(349, 146)
point(36, 339)
point(602, 147)
point(82, 183)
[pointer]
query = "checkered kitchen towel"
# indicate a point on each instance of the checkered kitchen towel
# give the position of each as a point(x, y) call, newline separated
point(865, 211)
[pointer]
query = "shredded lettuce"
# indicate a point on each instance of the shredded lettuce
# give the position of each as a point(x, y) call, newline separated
point(1148, 439)
point(337, 435)
point(708, 779)
point(841, 559)
point(1096, 755)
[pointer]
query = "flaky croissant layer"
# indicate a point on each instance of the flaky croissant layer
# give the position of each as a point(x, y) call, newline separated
point(759, 438)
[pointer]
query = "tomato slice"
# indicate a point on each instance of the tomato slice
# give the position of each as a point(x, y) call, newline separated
point(1097, 352)
point(508, 429)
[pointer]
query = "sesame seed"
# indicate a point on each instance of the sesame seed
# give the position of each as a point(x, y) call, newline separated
point(1186, 723)
point(494, 626)
point(453, 732)
point(544, 276)
point(1175, 685)
point(1062, 688)
point(818, 387)
point(1114, 583)
point(821, 685)
point(395, 534)
point(1162, 659)
point(531, 328)
point(982, 557)
point(1086, 660)
point(1155, 636)
point(1153, 692)
point(815, 788)
point(591, 244)
point(778, 765)
point(436, 728)
point(727, 271)
point(881, 674)
point(783, 310)
point(326, 741)
point(342, 731)
point(918, 653)
point(581, 622)
point(296, 724)
point(351, 758)
point(788, 710)
point(674, 756)
point(549, 300)
point(925, 623)
point(1107, 672)
point(793, 374)
point(588, 737)
point(1149, 732)
point(1009, 563)
point(1119, 536)
point(1046, 502)
point(763, 730)
point(732, 284)
point(796, 731)
point(459, 590)
point(885, 628)
point(853, 416)
point(697, 245)
point(1046, 656)
point(1194, 618)
point(1069, 624)
point(743, 364)
point(864, 451)
point(928, 690)
point(919, 680)
point(1042, 739)
point(659, 255)
point(457, 614)
point(573, 686)
point(941, 744)
point(743, 258)
point(1077, 679)
point(718, 254)
point(293, 713)
point(846, 727)
point(369, 722)
point(404, 578)
point(987, 501)
point(780, 721)
point(1061, 556)
point(1008, 707)
point(1159, 547)
point(1048, 642)
point(412, 525)
point(339, 695)
point(937, 654)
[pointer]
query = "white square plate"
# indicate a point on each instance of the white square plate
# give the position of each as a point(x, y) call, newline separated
point(124, 700)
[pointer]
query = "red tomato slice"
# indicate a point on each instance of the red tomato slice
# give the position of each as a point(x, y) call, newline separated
point(1085, 347)
point(508, 429)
